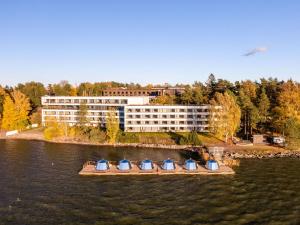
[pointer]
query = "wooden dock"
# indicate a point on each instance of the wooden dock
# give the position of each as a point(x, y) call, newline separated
point(90, 169)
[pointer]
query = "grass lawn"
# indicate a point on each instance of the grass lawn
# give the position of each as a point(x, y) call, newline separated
point(171, 138)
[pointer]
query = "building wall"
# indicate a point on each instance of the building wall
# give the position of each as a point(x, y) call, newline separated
point(161, 118)
point(66, 108)
point(143, 91)
point(134, 113)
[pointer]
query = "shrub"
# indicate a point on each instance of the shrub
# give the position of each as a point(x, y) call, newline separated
point(96, 135)
point(191, 139)
point(124, 137)
point(51, 132)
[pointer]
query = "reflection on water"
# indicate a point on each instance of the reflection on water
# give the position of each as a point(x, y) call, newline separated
point(39, 185)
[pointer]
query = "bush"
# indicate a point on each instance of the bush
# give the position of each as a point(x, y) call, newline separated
point(124, 137)
point(97, 135)
point(191, 139)
point(51, 132)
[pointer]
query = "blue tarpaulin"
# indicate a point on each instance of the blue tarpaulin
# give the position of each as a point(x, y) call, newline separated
point(190, 164)
point(146, 164)
point(168, 164)
point(212, 165)
point(102, 165)
point(124, 165)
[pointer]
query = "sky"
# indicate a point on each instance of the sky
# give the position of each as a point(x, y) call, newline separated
point(148, 41)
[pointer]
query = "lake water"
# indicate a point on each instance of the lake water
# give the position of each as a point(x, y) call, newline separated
point(39, 184)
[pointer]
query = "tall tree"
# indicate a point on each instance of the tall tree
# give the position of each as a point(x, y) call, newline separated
point(112, 126)
point(225, 115)
point(263, 106)
point(62, 89)
point(33, 90)
point(288, 104)
point(15, 111)
point(187, 96)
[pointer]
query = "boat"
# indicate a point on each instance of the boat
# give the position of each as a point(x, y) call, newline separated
point(168, 164)
point(147, 164)
point(190, 165)
point(124, 165)
point(102, 165)
point(212, 165)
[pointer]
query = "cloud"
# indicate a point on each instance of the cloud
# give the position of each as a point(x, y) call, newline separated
point(256, 50)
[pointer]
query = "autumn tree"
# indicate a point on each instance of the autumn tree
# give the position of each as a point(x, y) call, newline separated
point(288, 104)
point(263, 107)
point(112, 125)
point(62, 89)
point(2, 96)
point(225, 115)
point(164, 100)
point(15, 111)
point(34, 91)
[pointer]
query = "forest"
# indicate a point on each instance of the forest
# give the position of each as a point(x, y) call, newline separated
point(253, 107)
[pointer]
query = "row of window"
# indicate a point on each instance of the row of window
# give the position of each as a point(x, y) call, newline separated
point(145, 129)
point(88, 107)
point(85, 101)
point(68, 118)
point(156, 122)
point(77, 113)
point(166, 110)
point(167, 116)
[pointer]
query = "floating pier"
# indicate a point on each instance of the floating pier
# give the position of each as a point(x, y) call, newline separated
point(167, 167)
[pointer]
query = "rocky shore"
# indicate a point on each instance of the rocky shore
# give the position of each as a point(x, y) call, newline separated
point(238, 155)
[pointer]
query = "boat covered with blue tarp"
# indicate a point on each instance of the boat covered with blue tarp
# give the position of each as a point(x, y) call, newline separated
point(102, 165)
point(124, 165)
point(190, 164)
point(168, 164)
point(147, 164)
point(212, 165)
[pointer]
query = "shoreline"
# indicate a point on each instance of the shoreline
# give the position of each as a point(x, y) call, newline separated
point(134, 145)
point(231, 152)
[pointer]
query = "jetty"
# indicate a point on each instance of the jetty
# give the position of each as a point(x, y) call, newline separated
point(158, 168)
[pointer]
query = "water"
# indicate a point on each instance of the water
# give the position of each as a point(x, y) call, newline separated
point(39, 184)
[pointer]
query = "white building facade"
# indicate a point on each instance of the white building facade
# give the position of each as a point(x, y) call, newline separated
point(135, 114)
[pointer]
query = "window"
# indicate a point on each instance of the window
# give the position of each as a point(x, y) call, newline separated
point(155, 110)
point(155, 122)
point(190, 110)
point(190, 116)
point(147, 110)
point(138, 116)
point(164, 116)
point(155, 116)
point(189, 122)
point(164, 122)
point(182, 110)
point(181, 116)
point(147, 122)
point(173, 110)
point(172, 116)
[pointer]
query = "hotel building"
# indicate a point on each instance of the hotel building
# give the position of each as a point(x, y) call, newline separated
point(135, 113)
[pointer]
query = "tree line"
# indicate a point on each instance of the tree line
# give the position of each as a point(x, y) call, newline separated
point(266, 105)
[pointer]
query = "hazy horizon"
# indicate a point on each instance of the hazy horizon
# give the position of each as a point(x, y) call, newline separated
point(148, 42)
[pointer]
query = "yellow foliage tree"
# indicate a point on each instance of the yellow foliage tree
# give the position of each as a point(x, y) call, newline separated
point(225, 116)
point(9, 114)
point(15, 111)
point(112, 126)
